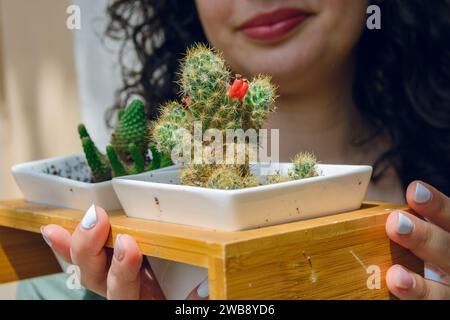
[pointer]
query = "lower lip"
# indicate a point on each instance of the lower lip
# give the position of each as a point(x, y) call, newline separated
point(277, 31)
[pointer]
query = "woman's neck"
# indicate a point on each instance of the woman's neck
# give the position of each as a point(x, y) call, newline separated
point(324, 121)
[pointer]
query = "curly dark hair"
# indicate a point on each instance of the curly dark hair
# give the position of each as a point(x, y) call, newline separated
point(402, 84)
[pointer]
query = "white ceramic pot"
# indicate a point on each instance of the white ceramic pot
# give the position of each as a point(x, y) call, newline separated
point(158, 196)
point(64, 182)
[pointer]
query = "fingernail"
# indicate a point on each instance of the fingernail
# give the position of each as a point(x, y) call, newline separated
point(422, 194)
point(203, 289)
point(44, 235)
point(90, 218)
point(404, 224)
point(118, 251)
point(404, 279)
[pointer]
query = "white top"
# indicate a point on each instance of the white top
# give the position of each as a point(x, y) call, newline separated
point(97, 68)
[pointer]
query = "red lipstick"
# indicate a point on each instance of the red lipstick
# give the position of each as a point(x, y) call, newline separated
point(273, 26)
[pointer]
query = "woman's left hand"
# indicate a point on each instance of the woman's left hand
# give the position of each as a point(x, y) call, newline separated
point(428, 240)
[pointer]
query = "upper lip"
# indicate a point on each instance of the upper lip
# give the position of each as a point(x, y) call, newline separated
point(273, 17)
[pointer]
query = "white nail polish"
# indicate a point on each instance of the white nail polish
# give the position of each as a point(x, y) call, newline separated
point(203, 289)
point(90, 218)
point(46, 239)
point(422, 194)
point(404, 224)
point(118, 251)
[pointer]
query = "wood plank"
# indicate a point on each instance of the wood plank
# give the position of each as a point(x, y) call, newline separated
point(319, 258)
point(306, 266)
point(178, 243)
point(24, 255)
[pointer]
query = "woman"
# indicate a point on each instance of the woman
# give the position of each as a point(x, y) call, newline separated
point(349, 94)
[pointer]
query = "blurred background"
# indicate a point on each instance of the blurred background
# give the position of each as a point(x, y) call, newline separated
point(51, 79)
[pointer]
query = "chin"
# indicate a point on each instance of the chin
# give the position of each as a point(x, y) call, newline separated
point(280, 62)
point(286, 58)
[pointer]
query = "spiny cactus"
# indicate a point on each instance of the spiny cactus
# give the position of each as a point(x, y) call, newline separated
point(100, 169)
point(226, 178)
point(165, 130)
point(259, 100)
point(214, 97)
point(204, 82)
point(276, 178)
point(128, 152)
point(251, 181)
point(210, 94)
point(196, 175)
point(304, 165)
point(132, 128)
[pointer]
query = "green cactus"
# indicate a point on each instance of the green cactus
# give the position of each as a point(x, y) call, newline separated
point(196, 175)
point(132, 128)
point(304, 165)
point(116, 165)
point(165, 130)
point(226, 178)
point(205, 86)
point(276, 178)
point(101, 171)
point(259, 100)
point(204, 81)
point(129, 147)
point(210, 94)
point(251, 181)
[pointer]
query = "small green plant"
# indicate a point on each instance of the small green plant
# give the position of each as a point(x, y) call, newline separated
point(211, 95)
point(129, 149)
point(304, 165)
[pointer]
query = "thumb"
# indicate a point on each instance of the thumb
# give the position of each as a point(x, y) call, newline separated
point(407, 285)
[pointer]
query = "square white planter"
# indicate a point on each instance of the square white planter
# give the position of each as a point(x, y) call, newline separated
point(64, 182)
point(158, 196)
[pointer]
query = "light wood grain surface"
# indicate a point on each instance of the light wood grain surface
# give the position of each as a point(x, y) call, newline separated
point(323, 258)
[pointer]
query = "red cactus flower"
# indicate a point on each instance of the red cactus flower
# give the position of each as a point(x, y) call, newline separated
point(238, 89)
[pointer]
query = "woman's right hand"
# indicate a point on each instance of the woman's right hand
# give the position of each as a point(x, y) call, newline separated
point(119, 274)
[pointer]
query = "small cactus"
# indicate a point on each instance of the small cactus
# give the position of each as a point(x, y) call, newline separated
point(128, 152)
point(165, 131)
point(210, 94)
point(251, 181)
point(226, 178)
point(100, 169)
point(196, 175)
point(276, 178)
point(304, 165)
point(204, 81)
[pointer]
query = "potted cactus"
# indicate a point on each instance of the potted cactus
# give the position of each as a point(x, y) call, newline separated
point(225, 174)
point(78, 181)
point(211, 97)
point(233, 192)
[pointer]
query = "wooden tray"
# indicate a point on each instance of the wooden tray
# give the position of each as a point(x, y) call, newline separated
point(333, 257)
